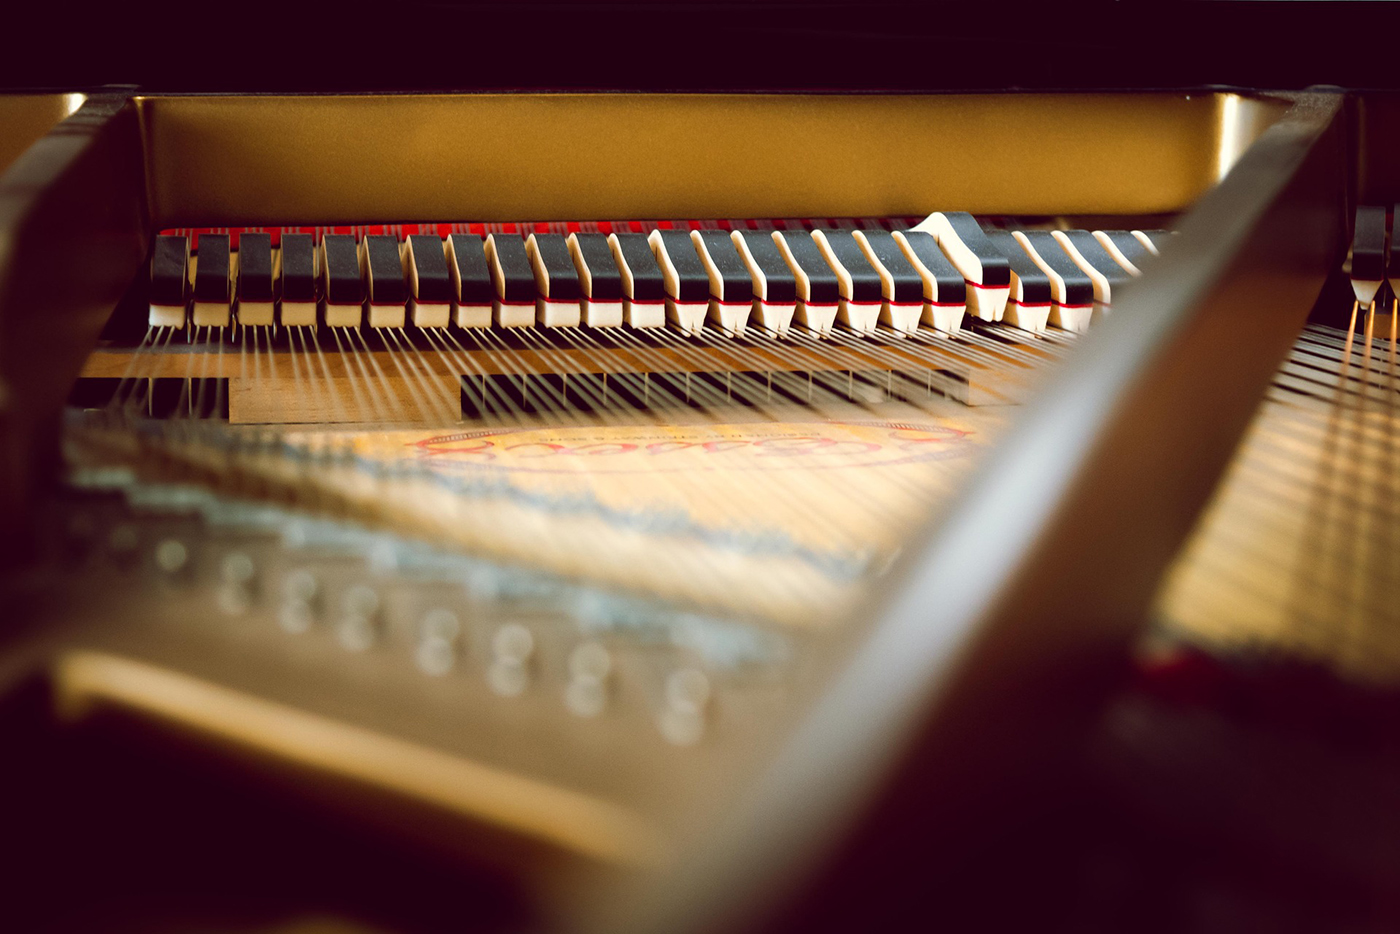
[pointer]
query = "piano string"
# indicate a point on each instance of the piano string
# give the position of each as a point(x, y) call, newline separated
point(1299, 552)
point(795, 455)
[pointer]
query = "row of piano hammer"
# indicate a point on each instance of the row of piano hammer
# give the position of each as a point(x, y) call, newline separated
point(925, 277)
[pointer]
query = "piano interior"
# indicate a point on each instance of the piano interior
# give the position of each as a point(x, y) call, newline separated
point(519, 514)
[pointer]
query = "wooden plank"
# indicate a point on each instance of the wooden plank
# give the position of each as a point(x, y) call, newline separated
point(283, 385)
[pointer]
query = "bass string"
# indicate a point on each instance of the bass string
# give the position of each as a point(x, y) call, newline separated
point(1362, 518)
point(1335, 539)
point(1333, 588)
point(1313, 423)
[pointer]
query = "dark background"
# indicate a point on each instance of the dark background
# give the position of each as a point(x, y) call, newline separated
point(257, 45)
